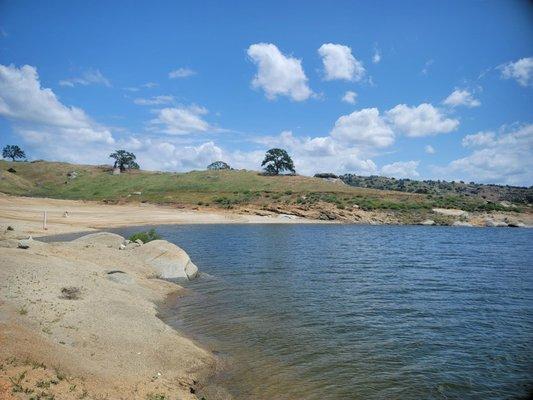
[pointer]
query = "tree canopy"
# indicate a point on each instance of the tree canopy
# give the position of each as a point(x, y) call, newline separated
point(124, 160)
point(277, 161)
point(13, 152)
point(218, 165)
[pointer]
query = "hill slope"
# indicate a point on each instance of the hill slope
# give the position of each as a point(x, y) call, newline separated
point(246, 191)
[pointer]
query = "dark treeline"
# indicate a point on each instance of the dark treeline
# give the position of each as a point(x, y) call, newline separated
point(489, 192)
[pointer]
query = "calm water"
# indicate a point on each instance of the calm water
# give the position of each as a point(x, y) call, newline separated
point(362, 312)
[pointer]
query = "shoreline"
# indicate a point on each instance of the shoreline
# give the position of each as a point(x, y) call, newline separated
point(26, 213)
point(85, 216)
point(107, 339)
point(111, 340)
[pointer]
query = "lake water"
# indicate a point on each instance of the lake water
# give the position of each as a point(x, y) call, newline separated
point(361, 312)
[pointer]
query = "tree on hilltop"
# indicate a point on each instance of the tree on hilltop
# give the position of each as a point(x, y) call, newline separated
point(124, 160)
point(276, 161)
point(13, 152)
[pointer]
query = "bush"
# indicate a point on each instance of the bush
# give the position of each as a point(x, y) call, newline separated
point(145, 236)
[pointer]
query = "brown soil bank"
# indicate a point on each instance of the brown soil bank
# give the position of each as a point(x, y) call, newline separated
point(78, 320)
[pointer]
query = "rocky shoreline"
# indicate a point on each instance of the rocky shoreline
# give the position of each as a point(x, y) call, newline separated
point(79, 320)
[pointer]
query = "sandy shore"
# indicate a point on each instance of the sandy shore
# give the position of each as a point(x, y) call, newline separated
point(27, 214)
point(103, 340)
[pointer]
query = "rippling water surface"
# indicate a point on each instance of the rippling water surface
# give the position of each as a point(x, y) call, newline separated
point(362, 312)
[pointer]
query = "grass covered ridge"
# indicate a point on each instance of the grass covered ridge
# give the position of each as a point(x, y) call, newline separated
point(222, 189)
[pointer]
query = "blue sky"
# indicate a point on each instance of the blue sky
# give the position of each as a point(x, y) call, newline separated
point(419, 89)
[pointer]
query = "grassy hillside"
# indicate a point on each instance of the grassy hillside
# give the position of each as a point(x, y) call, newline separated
point(225, 189)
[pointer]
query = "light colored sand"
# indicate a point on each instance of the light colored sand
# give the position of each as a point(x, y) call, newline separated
point(109, 342)
point(27, 214)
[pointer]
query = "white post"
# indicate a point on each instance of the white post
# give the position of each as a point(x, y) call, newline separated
point(44, 221)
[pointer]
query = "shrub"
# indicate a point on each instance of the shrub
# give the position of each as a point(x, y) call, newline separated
point(145, 237)
point(218, 165)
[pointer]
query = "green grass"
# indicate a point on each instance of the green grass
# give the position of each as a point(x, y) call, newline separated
point(224, 189)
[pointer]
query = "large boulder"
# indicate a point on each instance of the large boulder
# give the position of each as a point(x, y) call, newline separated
point(427, 222)
point(167, 259)
point(101, 239)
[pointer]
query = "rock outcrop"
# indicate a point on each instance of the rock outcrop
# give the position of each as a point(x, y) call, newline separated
point(101, 239)
point(167, 259)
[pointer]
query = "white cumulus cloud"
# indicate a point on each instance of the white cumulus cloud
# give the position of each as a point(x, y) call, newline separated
point(49, 128)
point(422, 120)
point(32, 108)
point(520, 70)
point(350, 97)
point(429, 149)
point(364, 127)
point(278, 74)
point(180, 120)
point(461, 97)
point(339, 63)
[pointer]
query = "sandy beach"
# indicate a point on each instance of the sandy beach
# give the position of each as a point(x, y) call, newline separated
point(106, 341)
point(79, 320)
point(27, 213)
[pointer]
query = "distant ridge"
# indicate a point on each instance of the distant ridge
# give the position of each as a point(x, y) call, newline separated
point(489, 192)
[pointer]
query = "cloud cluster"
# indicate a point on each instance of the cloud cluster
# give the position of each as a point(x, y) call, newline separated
point(339, 63)
point(362, 134)
point(278, 74)
point(89, 77)
point(422, 120)
point(321, 154)
point(29, 106)
point(364, 127)
point(48, 126)
point(520, 70)
point(283, 75)
point(461, 98)
point(503, 158)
